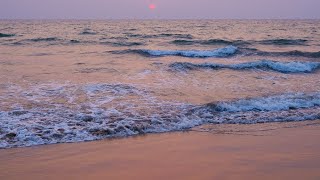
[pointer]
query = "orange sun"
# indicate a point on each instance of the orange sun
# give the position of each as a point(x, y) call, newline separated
point(152, 6)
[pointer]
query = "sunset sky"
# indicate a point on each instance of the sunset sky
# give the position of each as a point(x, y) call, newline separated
point(164, 9)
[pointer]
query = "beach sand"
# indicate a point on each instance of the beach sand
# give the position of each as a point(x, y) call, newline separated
point(288, 152)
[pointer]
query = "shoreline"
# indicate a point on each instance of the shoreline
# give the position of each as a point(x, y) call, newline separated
point(278, 153)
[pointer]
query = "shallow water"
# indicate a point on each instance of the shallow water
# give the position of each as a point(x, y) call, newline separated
point(70, 81)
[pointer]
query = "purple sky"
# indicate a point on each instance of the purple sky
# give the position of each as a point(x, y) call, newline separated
point(165, 9)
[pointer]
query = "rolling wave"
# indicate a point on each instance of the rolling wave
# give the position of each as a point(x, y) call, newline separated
point(88, 31)
point(162, 35)
point(49, 39)
point(283, 67)
point(74, 41)
point(283, 42)
point(295, 53)
point(278, 42)
point(6, 35)
point(221, 52)
point(58, 41)
point(209, 42)
point(123, 43)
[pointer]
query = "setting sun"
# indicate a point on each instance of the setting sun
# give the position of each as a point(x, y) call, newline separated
point(152, 6)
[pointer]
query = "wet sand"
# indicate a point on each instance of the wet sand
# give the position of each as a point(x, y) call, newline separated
point(282, 153)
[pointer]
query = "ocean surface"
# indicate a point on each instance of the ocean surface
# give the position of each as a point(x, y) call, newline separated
point(72, 81)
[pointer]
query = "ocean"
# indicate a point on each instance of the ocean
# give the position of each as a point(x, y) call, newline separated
point(82, 80)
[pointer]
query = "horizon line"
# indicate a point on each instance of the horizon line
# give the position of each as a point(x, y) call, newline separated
point(5, 19)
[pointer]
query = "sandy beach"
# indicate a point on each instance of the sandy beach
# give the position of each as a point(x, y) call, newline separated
point(289, 151)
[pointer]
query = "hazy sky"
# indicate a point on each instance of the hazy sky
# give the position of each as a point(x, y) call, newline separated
point(164, 9)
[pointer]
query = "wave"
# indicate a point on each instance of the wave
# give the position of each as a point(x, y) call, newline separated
point(209, 42)
point(6, 35)
point(181, 36)
point(106, 113)
point(278, 42)
point(123, 43)
point(283, 42)
point(58, 41)
point(87, 31)
point(295, 53)
point(183, 42)
point(272, 103)
point(279, 108)
point(44, 39)
point(283, 67)
point(50, 40)
point(221, 52)
point(74, 41)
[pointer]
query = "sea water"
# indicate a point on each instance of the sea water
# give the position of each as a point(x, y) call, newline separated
point(73, 80)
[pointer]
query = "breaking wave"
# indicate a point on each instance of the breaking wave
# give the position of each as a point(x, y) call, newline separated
point(283, 67)
point(272, 103)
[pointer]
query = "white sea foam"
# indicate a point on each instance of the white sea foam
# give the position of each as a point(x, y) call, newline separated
point(73, 113)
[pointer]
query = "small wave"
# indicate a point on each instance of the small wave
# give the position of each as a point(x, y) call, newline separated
point(182, 36)
point(283, 42)
point(163, 35)
point(96, 70)
point(278, 42)
point(296, 53)
point(221, 52)
point(183, 42)
point(87, 32)
point(74, 41)
point(44, 39)
point(50, 40)
point(123, 43)
point(209, 42)
point(283, 67)
point(299, 54)
point(290, 53)
point(2, 35)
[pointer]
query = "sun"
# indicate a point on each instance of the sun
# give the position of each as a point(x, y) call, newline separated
point(152, 6)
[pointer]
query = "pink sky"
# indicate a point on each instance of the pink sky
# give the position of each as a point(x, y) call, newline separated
point(164, 9)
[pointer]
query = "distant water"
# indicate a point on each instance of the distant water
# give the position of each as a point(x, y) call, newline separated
point(71, 81)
